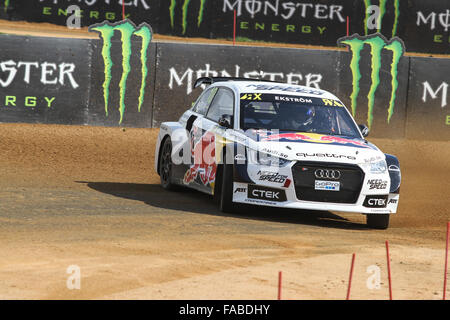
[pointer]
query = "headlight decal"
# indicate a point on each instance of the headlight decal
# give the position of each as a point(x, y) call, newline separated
point(378, 167)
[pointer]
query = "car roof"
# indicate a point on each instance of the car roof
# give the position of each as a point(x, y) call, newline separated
point(275, 88)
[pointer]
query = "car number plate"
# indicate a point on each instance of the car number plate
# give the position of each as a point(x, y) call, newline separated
point(327, 185)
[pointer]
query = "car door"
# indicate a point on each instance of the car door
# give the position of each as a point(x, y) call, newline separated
point(194, 118)
point(204, 129)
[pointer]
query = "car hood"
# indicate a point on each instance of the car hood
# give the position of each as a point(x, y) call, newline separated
point(314, 147)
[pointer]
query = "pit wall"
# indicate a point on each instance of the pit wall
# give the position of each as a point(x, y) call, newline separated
point(62, 81)
point(424, 25)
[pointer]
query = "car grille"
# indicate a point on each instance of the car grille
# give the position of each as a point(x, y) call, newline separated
point(351, 180)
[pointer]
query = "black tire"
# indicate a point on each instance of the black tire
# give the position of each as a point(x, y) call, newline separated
point(378, 221)
point(165, 165)
point(226, 195)
point(218, 184)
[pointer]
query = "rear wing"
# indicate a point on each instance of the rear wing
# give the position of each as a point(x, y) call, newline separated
point(211, 80)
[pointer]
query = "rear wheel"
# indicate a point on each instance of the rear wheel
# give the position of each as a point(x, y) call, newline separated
point(378, 221)
point(165, 165)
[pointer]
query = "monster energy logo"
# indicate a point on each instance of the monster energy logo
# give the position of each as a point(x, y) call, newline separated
point(382, 6)
point(185, 11)
point(6, 5)
point(377, 43)
point(127, 29)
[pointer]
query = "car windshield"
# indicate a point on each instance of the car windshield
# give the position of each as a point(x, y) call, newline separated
point(296, 113)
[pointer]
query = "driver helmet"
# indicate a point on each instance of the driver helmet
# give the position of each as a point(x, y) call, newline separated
point(303, 116)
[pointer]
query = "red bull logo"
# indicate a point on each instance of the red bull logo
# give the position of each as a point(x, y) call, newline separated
point(312, 137)
point(204, 166)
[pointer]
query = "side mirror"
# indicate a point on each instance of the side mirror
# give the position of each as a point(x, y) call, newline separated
point(364, 130)
point(226, 121)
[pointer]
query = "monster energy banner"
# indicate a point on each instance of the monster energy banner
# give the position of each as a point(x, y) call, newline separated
point(379, 78)
point(429, 99)
point(197, 18)
point(39, 84)
point(69, 81)
point(124, 79)
point(180, 65)
point(428, 27)
point(424, 25)
point(123, 73)
point(84, 12)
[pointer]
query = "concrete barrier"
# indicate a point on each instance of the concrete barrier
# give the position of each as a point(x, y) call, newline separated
point(72, 84)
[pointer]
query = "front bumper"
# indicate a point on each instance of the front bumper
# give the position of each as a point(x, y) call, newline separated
point(285, 187)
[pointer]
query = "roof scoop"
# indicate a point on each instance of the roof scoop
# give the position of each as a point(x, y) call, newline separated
point(211, 80)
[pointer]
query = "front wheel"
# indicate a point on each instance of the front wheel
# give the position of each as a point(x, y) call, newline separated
point(378, 221)
point(226, 194)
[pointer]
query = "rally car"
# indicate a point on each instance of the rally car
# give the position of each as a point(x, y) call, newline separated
point(257, 142)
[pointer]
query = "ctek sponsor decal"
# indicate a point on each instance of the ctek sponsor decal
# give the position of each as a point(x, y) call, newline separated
point(127, 29)
point(185, 10)
point(382, 6)
point(375, 201)
point(377, 42)
point(265, 193)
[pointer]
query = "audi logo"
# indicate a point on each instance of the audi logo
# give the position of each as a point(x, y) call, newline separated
point(327, 174)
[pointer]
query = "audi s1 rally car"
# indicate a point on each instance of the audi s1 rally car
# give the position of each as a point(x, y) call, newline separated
point(280, 145)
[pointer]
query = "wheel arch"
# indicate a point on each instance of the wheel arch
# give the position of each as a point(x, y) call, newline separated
point(395, 175)
point(161, 145)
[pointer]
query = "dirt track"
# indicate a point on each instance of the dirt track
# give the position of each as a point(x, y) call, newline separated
point(88, 196)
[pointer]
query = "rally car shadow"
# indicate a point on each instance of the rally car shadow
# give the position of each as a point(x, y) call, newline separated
point(190, 200)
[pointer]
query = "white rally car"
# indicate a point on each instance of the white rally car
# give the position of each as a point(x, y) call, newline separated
point(280, 145)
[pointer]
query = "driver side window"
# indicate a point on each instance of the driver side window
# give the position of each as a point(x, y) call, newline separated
point(223, 104)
